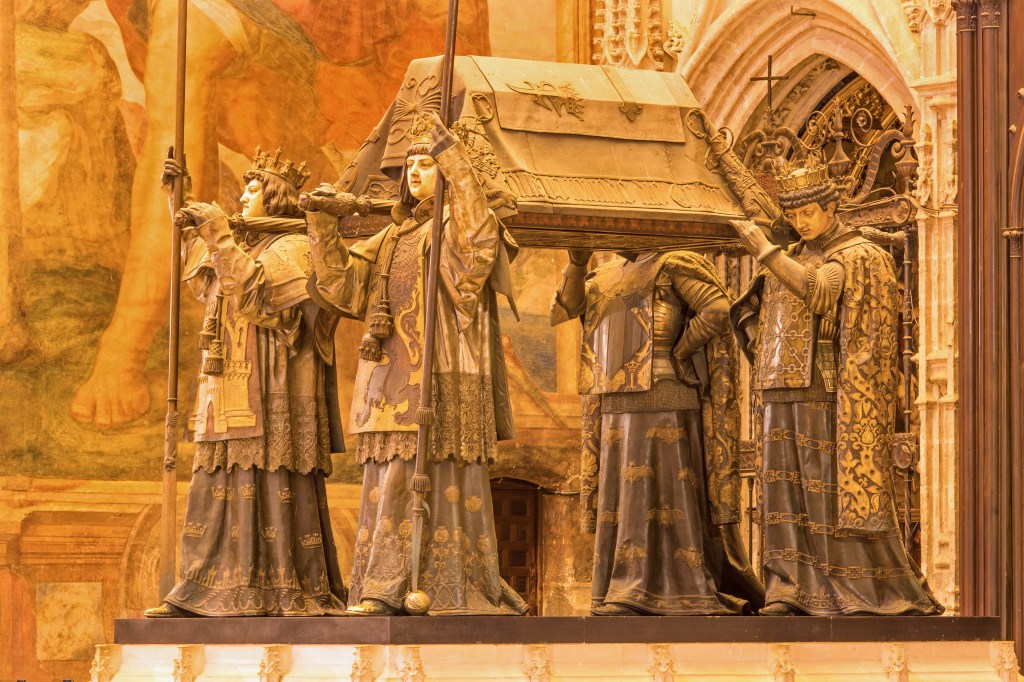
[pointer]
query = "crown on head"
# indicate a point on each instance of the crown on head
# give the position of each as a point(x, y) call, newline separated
point(286, 170)
point(419, 130)
point(791, 177)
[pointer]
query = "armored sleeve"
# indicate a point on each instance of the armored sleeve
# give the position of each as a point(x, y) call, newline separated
point(709, 303)
point(570, 298)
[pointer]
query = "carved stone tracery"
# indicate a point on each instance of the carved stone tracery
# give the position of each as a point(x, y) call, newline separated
point(630, 33)
point(662, 667)
point(915, 14)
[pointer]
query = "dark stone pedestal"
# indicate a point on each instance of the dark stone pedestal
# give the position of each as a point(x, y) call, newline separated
point(552, 630)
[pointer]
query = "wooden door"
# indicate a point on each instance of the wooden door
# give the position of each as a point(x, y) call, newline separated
point(516, 522)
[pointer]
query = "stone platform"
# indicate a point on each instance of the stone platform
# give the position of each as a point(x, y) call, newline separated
point(897, 649)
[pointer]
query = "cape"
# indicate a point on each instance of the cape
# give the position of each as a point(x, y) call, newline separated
point(867, 382)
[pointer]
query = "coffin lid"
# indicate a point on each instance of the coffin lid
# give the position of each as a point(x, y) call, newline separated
point(565, 148)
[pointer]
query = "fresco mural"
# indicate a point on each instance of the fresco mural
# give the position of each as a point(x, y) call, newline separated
point(95, 93)
point(84, 270)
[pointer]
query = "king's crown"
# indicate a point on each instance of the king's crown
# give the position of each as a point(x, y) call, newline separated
point(263, 161)
point(792, 178)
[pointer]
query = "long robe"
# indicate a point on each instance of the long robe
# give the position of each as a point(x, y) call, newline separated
point(658, 546)
point(825, 368)
point(459, 568)
point(257, 538)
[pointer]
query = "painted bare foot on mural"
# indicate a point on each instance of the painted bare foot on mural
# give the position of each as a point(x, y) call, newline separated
point(116, 391)
point(111, 396)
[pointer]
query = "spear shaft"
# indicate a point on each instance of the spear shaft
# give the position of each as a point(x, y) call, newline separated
point(168, 510)
point(420, 484)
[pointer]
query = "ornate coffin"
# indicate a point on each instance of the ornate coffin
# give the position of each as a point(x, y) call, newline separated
point(571, 155)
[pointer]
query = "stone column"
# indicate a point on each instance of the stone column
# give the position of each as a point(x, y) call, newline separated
point(937, 400)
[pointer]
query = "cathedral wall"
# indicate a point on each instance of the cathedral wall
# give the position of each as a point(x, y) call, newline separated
point(907, 51)
point(82, 367)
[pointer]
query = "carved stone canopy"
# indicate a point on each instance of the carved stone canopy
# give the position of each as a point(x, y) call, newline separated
point(570, 154)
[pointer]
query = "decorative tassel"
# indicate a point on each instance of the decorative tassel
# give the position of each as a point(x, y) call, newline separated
point(213, 359)
point(211, 323)
point(208, 333)
point(382, 326)
point(210, 339)
point(369, 348)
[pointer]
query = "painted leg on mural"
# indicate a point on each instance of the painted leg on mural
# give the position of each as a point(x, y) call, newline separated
point(116, 391)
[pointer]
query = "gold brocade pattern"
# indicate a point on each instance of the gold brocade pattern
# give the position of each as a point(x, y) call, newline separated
point(720, 421)
point(633, 473)
point(666, 434)
point(814, 486)
point(867, 388)
point(296, 438)
point(672, 604)
point(826, 603)
point(254, 591)
point(590, 406)
point(826, 447)
point(691, 557)
point(803, 520)
point(666, 516)
point(848, 572)
point(630, 553)
point(463, 429)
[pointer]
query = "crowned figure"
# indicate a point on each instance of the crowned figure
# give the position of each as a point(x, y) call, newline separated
point(383, 280)
point(819, 326)
point(257, 538)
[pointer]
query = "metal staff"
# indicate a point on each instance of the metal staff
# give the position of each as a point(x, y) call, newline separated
point(168, 510)
point(417, 602)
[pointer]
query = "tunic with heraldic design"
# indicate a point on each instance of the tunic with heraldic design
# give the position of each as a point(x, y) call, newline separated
point(387, 272)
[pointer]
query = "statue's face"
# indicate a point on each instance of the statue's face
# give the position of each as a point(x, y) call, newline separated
point(810, 221)
point(252, 200)
point(421, 175)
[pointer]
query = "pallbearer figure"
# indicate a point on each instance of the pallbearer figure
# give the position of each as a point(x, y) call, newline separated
point(382, 280)
point(257, 539)
point(660, 478)
point(819, 326)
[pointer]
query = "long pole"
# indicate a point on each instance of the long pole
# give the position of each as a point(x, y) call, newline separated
point(417, 602)
point(169, 509)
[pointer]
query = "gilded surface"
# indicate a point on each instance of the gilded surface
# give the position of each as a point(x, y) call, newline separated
point(787, 335)
point(386, 392)
point(866, 374)
point(868, 382)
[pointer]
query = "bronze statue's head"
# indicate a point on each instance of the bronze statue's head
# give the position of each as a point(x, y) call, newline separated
point(272, 187)
point(419, 177)
point(809, 199)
